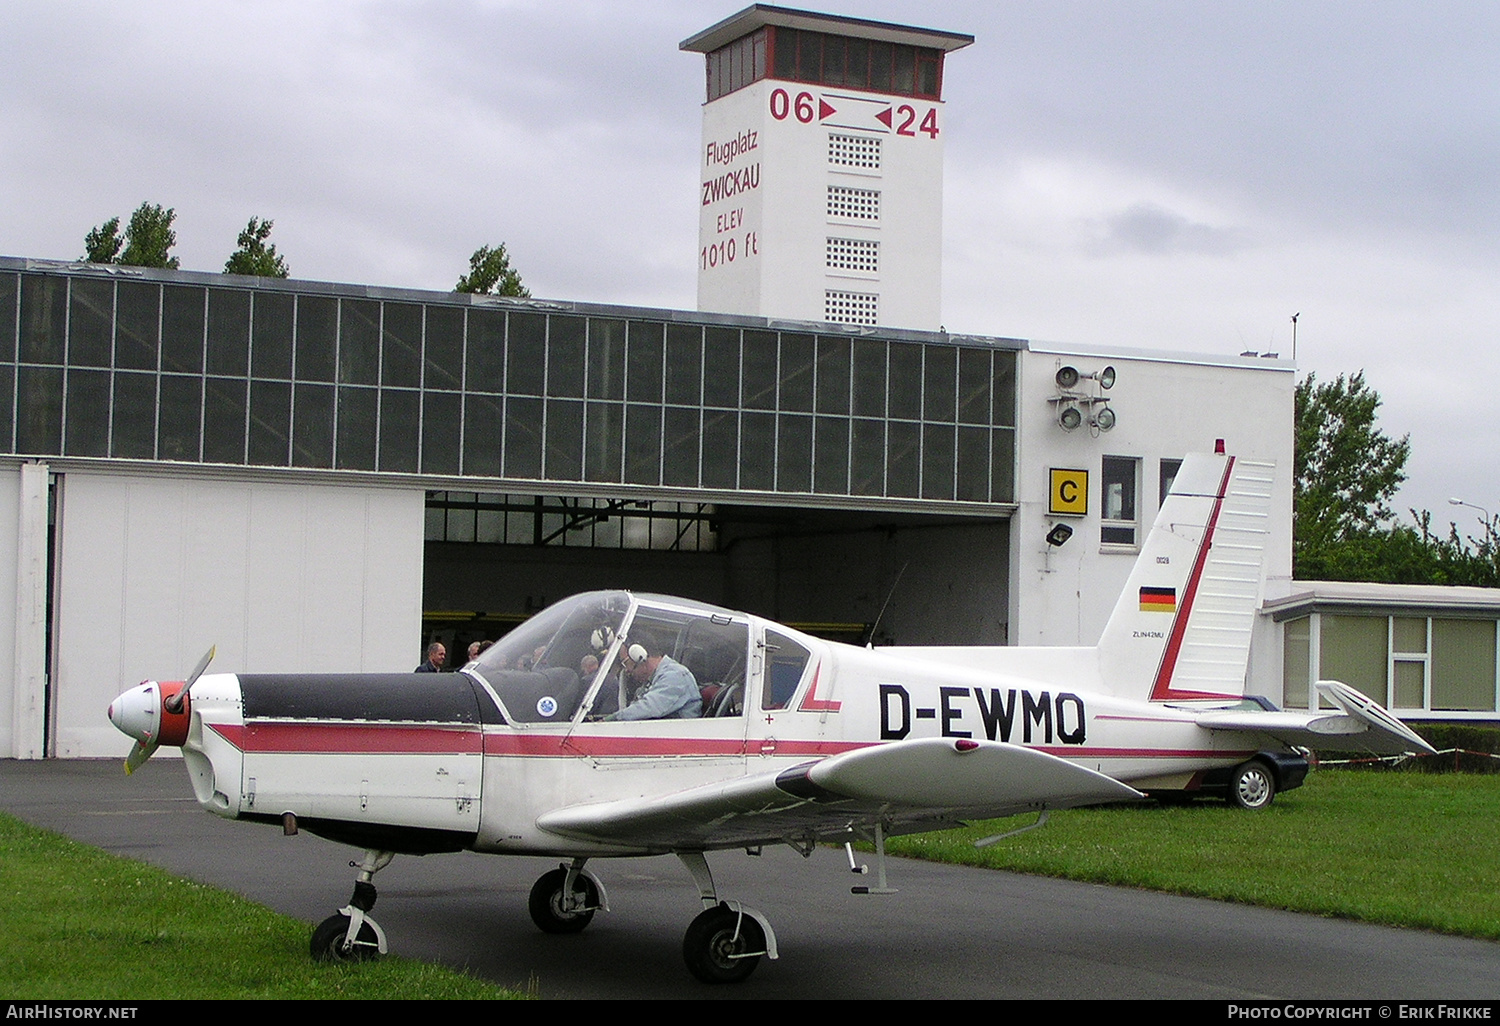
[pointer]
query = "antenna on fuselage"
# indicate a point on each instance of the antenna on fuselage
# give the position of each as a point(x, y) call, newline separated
point(870, 641)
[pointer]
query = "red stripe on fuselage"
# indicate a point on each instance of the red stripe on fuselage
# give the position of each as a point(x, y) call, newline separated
point(352, 738)
point(1162, 690)
point(574, 745)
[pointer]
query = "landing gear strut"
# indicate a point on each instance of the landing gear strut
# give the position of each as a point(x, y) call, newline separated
point(565, 900)
point(350, 935)
point(725, 943)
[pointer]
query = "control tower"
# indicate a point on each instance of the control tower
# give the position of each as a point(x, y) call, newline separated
point(821, 187)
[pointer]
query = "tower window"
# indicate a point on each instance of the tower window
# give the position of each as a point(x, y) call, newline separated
point(856, 151)
point(853, 204)
point(854, 255)
point(850, 307)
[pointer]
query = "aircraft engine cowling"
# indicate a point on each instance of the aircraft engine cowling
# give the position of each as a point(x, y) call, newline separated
point(142, 714)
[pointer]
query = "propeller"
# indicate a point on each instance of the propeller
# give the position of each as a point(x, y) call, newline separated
point(155, 714)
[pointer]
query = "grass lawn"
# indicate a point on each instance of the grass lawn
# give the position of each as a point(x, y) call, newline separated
point(1407, 849)
point(76, 922)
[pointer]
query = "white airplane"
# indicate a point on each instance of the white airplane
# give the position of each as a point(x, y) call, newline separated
point(614, 724)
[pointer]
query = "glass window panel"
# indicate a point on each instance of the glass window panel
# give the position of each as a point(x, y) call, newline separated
point(646, 341)
point(400, 428)
point(1463, 664)
point(757, 443)
point(358, 410)
point(359, 343)
point(721, 367)
point(869, 378)
point(8, 290)
point(605, 430)
point(684, 364)
point(642, 443)
point(523, 435)
point(224, 420)
point(564, 441)
point(786, 661)
point(1005, 390)
point(312, 426)
point(44, 318)
point(1118, 488)
point(867, 458)
point(1408, 685)
point(137, 323)
point(831, 449)
point(903, 458)
point(180, 417)
point(833, 60)
point(905, 78)
point(483, 420)
point(526, 355)
point(1410, 633)
point(810, 57)
point(974, 377)
point(445, 350)
point(937, 461)
point(1296, 662)
point(1003, 465)
point(7, 407)
point(606, 359)
point(565, 360)
point(794, 453)
point(906, 381)
point(441, 424)
point(1165, 480)
point(91, 322)
point(833, 375)
point(317, 328)
point(720, 448)
point(941, 364)
point(134, 434)
point(229, 332)
point(973, 464)
point(39, 392)
point(489, 526)
point(797, 353)
point(401, 346)
point(857, 64)
point(928, 62)
point(680, 447)
point(1352, 649)
point(784, 52)
point(182, 328)
point(880, 67)
point(271, 339)
point(270, 422)
point(759, 376)
point(486, 351)
point(88, 413)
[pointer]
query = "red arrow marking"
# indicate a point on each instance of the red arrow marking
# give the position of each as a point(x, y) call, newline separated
point(824, 108)
point(884, 117)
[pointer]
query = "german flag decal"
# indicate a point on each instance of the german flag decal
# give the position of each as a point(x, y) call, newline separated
point(1158, 600)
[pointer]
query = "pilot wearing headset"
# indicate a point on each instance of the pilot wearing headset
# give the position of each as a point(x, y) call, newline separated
point(666, 688)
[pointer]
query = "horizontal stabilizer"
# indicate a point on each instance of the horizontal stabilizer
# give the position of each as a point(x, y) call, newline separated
point(1359, 725)
point(921, 784)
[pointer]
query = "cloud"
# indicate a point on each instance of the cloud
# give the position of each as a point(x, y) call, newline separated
point(1148, 228)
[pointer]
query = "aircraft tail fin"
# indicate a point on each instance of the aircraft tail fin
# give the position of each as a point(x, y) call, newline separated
point(1181, 629)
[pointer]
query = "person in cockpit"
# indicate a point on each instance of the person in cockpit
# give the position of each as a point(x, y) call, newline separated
point(666, 688)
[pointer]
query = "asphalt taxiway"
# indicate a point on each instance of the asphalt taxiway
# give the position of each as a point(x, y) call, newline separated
point(950, 932)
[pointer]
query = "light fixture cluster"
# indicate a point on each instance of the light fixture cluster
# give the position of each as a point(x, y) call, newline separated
point(1077, 404)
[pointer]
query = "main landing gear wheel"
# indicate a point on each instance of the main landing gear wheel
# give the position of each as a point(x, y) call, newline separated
point(330, 941)
point(723, 946)
point(1252, 785)
point(551, 913)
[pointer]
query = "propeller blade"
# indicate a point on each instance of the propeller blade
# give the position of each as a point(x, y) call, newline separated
point(174, 704)
point(138, 756)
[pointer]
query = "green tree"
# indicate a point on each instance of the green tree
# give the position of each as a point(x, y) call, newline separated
point(102, 244)
point(254, 256)
point(1346, 470)
point(149, 237)
point(490, 274)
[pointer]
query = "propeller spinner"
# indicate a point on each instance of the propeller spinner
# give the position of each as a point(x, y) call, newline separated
point(155, 714)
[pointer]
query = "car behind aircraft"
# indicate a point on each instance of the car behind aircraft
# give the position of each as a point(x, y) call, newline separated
point(794, 740)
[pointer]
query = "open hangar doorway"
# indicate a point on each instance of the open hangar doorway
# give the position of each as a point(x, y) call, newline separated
point(492, 560)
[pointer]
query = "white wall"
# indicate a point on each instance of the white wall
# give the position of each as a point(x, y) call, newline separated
point(154, 569)
point(1166, 407)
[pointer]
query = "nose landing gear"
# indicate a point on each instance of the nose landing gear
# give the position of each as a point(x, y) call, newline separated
point(350, 935)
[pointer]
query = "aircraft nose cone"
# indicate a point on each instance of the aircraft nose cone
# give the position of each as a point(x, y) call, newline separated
point(137, 713)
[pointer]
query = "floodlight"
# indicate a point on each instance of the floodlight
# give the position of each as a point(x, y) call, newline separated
point(1059, 534)
point(1104, 419)
point(1106, 378)
point(1067, 377)
point(1069, 416)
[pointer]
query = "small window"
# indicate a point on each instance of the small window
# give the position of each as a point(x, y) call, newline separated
point(786, 661)
point(1121, 524)
point(1168, 475)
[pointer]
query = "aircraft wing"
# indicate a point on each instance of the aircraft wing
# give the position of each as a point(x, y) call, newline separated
point(1360, 725)
point(922, 784)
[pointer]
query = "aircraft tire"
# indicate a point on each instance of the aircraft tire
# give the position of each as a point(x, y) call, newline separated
point(1252, 785)
point(714, 954)
point(545, 903)
point(328, 941)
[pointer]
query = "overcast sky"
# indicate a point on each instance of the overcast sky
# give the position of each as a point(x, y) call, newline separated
point(1177, 175)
